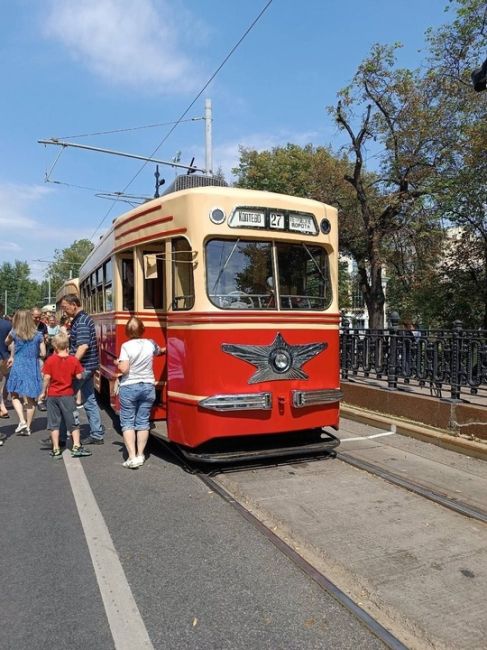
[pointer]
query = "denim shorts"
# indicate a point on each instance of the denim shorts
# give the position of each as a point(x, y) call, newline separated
point(136, 401)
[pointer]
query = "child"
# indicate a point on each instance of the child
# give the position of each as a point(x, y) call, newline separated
point(60, 369)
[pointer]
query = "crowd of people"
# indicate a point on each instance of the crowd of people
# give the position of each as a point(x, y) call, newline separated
point(50, 365)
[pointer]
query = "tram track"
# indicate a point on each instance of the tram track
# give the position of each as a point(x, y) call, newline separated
point(306, 567)
point(440, 498)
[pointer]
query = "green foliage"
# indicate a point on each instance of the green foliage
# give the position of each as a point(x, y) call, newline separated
point(67, 262)
point(22, 292)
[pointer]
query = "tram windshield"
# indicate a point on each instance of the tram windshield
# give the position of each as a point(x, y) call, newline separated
point(241, 274)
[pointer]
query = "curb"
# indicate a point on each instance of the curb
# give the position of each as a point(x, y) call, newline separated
point(418, 431)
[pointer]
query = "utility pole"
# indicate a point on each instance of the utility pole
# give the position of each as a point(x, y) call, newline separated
point(208, 138)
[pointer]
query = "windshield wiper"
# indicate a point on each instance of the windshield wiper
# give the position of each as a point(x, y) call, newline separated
point(225, 265)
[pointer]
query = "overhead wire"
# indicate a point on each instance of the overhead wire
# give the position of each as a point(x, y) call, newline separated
point(132, 128)
point(185, 112)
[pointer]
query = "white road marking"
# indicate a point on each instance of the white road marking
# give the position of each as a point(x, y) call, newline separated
point(126, 624)
point(374, 435)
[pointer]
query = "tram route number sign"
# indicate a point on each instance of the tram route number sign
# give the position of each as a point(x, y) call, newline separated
point(276, 220)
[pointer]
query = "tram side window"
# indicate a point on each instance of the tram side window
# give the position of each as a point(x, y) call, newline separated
point(154, 287)
point(128, 285)
point(84, 293)
point(182, 273)
point(108, 292)
point(99, 290)
point(93, 293)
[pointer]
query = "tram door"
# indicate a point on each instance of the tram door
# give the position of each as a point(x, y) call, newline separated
point(155, 307)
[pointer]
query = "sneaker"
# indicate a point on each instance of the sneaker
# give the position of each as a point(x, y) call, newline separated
point(79, 452)
point(131, 463)
point(80, 406)
point(138, 461)
point(21, 427)
point(41, 406)
point(90, 440)
point(25, 432)
point(57, 453)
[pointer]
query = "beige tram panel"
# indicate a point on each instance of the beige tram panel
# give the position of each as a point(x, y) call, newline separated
point(190, 210)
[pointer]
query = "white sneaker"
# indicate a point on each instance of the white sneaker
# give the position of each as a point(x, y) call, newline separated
point(22, 426)
point(130, 463)
point(24, 432)
point(138, 461)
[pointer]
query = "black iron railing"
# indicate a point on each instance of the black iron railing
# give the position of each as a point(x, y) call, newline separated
point(442, 360)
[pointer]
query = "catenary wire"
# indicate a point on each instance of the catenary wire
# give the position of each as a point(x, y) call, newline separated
point(183, 115)
point(133, 128)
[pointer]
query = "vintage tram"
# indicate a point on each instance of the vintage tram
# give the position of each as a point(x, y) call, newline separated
point(241, 287)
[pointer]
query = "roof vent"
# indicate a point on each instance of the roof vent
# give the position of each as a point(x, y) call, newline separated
point(190, 181)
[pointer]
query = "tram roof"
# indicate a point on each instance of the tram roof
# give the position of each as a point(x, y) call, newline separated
point(190, 185)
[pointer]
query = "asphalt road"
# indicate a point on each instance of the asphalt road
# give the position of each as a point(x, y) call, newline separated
point(200, 575)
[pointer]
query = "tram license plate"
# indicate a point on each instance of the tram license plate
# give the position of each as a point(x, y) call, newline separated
point(301, 223)
point(276, 220)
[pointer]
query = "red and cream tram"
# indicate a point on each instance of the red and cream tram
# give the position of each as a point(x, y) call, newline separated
point(241, 287)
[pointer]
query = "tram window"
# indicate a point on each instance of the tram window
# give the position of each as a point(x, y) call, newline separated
point(304, 276)
point(128, 285)
point(108, 297)
point(154, 288)
point(108, 291)
point(107, 272)
point(239, 274)
point(182, 273)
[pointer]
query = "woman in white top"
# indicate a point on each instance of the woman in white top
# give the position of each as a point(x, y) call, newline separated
point(137, 390)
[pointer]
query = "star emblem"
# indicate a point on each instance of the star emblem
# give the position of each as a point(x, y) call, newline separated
point(279, 360)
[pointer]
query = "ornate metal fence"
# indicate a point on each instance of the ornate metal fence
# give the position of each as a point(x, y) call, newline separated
point(443, 360)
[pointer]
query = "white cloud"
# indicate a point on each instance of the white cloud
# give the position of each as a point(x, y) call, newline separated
point(9, 246)
point(16, 203)
point(129, 43)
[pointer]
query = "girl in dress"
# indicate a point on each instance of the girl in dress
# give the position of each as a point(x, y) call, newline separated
point(25, 382)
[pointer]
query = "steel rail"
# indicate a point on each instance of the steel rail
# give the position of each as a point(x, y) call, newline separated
point(437, 497)
point(308, 569)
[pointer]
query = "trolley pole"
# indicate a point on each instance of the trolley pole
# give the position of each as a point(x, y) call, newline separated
point(208, 138)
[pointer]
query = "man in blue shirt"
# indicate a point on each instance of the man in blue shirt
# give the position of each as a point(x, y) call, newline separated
point(5, 327)
point(83, 345)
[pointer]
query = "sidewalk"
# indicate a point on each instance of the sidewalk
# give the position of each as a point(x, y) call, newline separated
point(412, 405)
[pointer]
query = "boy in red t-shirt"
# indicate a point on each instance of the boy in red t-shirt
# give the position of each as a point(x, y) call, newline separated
point(60, 370)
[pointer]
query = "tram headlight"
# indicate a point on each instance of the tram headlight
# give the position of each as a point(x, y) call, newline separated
point(217, 216)
point(280, 360)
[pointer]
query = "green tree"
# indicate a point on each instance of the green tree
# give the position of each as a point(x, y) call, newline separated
point(22, 292)
point(456, 50)
point(67, 262)
point(403, 123)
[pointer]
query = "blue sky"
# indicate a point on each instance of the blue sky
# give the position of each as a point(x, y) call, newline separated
point(74, 67)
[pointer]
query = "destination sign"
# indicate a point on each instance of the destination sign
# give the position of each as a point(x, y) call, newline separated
point(302, 223)
point(248, 218)
point(272, 219)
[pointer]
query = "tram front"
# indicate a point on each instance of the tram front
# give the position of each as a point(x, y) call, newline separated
point(253, 366)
